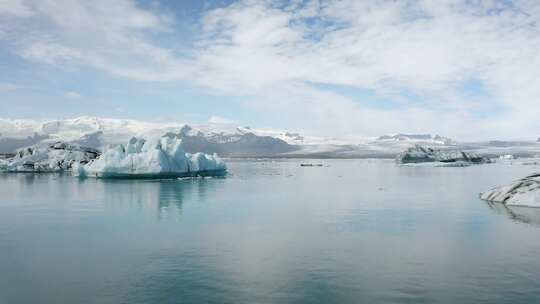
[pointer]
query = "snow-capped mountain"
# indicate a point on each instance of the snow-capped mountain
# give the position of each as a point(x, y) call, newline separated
point(224, 139)
point(229, 140)
point(427, 138)
point(112, 130)
point(238, 142)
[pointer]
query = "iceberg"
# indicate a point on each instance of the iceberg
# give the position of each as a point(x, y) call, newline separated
point(160, 158)
point(522, 192)
point(419, 154)
point(57, 157)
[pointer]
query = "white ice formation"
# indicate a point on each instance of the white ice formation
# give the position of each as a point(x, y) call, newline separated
point(163, 157)
point(419, 154)
point(57, 157)
point(522, 192)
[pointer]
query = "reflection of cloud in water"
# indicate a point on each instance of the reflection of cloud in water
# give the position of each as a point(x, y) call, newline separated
point(184, 276)
point(525, 215)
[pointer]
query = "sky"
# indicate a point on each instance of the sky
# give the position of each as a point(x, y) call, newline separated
point(464, 69)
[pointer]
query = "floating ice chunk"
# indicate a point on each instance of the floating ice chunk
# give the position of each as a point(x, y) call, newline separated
point(523, 192)
point(507, 157)
point(54, 158)
point(162, 157)
point(419, 154)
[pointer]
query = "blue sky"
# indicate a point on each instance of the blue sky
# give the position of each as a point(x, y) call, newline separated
point(466, 69)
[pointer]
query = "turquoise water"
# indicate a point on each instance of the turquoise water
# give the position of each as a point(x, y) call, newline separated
point(352, 231)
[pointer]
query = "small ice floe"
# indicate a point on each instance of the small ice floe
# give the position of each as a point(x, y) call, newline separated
point(522, 192)
point(519, 161)
point(507, 157)
point(57, 157)
point(534, 162)
point(160, 158)
point(446, 158)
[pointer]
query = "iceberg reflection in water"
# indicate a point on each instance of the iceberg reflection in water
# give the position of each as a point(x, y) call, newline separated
point(522, 214)
point(165, 197)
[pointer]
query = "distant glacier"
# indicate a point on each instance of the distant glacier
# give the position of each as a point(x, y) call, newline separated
point(228, 140)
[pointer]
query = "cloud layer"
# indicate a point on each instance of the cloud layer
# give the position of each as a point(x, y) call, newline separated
point(463, 68)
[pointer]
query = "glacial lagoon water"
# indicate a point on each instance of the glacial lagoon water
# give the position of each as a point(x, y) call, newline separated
point(352, 231)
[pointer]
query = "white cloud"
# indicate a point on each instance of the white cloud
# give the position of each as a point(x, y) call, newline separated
point(15, 7)
point(111, 36)
point(315, 111)
point(270, 51)
point(221, 120)
point(7, 87)
point(429, 48)
point(72, 95)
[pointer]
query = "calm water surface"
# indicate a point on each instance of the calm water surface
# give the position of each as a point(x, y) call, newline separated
point(353, 231)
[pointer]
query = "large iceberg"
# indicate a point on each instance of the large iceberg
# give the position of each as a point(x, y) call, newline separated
point(522, 192)
point(163, 157)
point(419, 154)
point(57, 157)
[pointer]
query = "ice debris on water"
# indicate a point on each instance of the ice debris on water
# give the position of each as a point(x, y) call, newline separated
point(158, 157)
point(56, 157)
point(419, 154)
point(522, 192)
